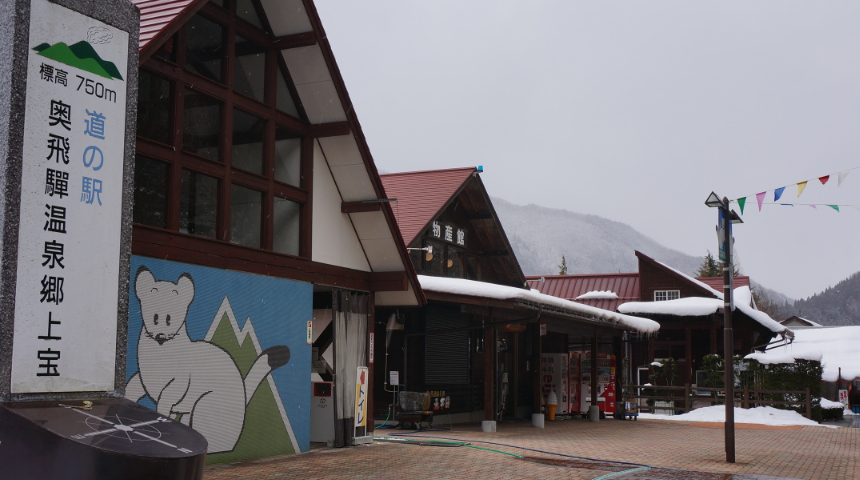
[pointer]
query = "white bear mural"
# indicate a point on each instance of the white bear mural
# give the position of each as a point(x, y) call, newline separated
point(196, 382)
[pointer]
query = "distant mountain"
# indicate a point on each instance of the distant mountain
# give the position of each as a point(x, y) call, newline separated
point(838, 305)
point(80, 55)
point(590, 244)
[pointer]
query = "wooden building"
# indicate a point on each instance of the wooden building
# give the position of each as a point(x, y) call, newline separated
point(689, 311)
point(478, 340)
point(256, 198)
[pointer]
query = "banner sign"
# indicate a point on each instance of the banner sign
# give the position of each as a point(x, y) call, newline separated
point(71, 204)
point(361, 397)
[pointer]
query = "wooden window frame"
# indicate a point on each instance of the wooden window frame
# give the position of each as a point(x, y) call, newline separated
point(178, 159)
point(667, 294)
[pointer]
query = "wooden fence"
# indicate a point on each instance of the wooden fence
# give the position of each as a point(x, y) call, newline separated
point(683, 397)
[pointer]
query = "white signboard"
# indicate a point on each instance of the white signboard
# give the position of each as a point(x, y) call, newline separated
point(71, 204)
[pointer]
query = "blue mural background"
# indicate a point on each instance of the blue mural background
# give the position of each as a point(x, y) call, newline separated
point(279, 310)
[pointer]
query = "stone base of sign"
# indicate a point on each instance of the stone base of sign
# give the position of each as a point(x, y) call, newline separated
point(14, 51)
point(488, 426)
point(537, 420)
point(593, 413)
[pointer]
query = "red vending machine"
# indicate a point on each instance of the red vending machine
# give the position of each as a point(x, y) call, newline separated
point(606, 398)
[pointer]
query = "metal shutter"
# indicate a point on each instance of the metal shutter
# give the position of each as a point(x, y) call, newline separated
point(446, 357)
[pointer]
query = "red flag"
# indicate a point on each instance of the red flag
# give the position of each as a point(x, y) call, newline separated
point(824, 179)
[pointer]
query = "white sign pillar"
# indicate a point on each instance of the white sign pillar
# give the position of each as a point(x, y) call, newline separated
point(66, 222)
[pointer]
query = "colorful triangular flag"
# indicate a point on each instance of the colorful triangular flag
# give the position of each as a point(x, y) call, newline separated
point(800, 187)
point(834, 207)
point(778, 193)
point(824, 179)
point(813, 206)
point(760, 198)
point(741, 202)
point(842, 176)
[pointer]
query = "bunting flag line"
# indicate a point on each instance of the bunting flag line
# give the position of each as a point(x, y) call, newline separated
point(838, 208)
point(801, 186)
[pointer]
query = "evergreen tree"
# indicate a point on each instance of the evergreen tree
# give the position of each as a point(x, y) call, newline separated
point(562, 269)
point(709, 267)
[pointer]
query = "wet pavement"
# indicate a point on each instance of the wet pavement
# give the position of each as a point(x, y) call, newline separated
point(574, 449)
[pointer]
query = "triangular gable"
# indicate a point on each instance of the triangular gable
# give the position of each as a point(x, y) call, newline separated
point(654, 274)
point(427, 196)
point(421, 196)
point(326, 104)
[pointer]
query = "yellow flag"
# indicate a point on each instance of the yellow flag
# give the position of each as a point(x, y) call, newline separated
point(800, 187)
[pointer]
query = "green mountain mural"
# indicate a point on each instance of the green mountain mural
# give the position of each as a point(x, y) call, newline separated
point(264, 434)
point(80, 55)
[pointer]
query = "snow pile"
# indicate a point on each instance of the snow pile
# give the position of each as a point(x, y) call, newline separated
point(656, 364)
point(682, 307)
point(460, 286)
point(598, 295)
point(758, 415)
point(827, 404)
point(836, 347)
point(743, 302)
point(700, 306)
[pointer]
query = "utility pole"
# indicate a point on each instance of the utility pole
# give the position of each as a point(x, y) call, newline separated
point(727, 218)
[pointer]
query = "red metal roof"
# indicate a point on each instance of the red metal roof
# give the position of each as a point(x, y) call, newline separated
point(568, 287)
point(717, 282)
point(422, 195)
point(159, 17)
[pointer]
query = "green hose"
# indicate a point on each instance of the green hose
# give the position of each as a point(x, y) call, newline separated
point(439, 443)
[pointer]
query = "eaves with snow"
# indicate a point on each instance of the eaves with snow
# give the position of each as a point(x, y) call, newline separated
point(534, 299)
point(598, 295)
point(700, 306)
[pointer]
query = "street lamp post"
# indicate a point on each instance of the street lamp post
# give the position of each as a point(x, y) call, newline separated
point(728, 217)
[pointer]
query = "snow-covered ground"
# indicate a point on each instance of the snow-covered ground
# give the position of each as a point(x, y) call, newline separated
point(758, 415)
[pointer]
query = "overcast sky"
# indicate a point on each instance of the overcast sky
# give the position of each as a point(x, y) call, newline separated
point(634, 111)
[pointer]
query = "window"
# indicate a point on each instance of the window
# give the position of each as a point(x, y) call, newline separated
point(220, 135)
point(661, 295)
point(155, 107)
point(150, 192)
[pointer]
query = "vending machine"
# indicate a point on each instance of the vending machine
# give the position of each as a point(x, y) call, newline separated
point(580, 381)
point(555, 375)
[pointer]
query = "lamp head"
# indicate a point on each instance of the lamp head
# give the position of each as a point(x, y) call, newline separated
point(714, 201)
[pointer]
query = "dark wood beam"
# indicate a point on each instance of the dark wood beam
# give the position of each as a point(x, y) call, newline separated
point(295, 40)
point(389, 281)
point(479, 216)
point(496, 253)
point(180, 247)
point(360, 206)
point(333, 129)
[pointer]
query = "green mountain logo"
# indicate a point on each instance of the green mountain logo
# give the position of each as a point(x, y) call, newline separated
point(80, 55)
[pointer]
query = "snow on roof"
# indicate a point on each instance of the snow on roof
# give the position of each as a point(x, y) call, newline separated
point(460, 286)
point(700, 306)
point(837, 347)
point(598, 295)
point(704, 285)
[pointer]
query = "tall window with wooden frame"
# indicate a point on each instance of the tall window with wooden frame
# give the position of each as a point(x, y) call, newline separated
point(222, 145)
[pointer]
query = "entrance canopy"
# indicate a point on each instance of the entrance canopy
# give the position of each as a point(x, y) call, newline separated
point(489, 293)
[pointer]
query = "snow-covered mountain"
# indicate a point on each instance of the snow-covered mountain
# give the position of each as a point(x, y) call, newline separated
point(590, 244)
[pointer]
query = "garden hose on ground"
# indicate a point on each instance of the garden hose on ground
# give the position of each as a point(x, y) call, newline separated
point(437, 443)
point(457, 442)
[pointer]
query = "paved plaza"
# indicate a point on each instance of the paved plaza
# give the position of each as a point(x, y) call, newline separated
point(576, 449)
